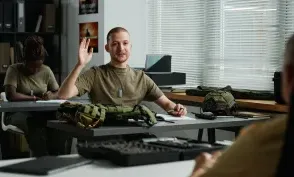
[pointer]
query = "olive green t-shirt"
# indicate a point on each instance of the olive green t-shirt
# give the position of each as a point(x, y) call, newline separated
point(255, 153)
point(119, 86)
point(39, 83)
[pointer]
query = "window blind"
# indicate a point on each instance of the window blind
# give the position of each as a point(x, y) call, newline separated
point(222, 42)
point(177, 28)
point(286, 22)
point(248, 44)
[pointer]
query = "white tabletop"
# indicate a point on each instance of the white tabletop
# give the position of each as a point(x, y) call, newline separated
point(107, 169)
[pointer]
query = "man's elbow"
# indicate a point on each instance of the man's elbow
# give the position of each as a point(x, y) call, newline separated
point(62, 96)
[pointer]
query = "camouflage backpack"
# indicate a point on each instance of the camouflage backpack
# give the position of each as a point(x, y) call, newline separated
point(94, 115)
point(219, 103)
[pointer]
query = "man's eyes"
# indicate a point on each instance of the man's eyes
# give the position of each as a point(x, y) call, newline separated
point(125, 43)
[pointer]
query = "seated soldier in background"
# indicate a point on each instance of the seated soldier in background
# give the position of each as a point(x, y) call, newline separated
point(115, 83)
point(32, 81)
point(257, 151)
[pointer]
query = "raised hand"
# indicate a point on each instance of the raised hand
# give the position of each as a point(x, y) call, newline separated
point(84, 55)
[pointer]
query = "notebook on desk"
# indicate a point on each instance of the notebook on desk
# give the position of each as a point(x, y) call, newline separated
point(45, 165)
point(51, 101)
point(174, 118)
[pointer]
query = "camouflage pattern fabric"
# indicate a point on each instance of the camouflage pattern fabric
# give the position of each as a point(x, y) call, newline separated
point(94, 115)
point(237, 93)
point(219, 103)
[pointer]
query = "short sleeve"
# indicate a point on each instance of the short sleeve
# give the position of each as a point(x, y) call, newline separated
point(153, 91)
point(255, 153)
point(52, 83)
point(11, 77)
point(85, 81)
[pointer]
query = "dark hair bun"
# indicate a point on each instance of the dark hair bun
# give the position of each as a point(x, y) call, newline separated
point(34, 41)
point(34, 49)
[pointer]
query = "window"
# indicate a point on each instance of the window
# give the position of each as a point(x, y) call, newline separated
point(222, 42)
point(177, 28)
point(247, 35)
point(286, 19)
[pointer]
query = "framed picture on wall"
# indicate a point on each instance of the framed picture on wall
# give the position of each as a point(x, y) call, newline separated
point(88, 7)
point(89, 30)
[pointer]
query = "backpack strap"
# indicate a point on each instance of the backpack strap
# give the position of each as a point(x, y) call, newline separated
point(147, 115)
point(94, 115)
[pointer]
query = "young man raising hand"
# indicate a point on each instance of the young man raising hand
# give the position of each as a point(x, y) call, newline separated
point(115, 83)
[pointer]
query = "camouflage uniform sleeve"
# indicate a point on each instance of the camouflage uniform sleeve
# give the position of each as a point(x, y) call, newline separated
point(85, 81)
point(153, 92)
point(255, 153)
point(11, 77)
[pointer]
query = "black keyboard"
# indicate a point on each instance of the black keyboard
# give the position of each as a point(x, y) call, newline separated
point(126, 153)
point(182, 145)
point(134, 148)
point(130, 153)
point(189, 149)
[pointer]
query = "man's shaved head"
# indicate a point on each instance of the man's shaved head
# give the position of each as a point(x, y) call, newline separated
point(115, 30)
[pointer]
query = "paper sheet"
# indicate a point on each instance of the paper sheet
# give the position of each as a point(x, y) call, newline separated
point(174, 118)
point(51, 101)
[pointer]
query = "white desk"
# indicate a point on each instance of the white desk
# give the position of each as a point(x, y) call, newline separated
point(159, 127)
point(107, 169)
point(32, 106)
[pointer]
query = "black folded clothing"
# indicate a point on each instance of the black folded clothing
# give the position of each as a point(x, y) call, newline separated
point(189, 149)
point(129, 153)
point(237, 93)
point(138, 152)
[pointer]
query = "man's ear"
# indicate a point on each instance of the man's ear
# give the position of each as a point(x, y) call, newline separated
point(106, 47)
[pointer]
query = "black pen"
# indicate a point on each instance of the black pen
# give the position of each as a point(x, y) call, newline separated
point(169, 121)
point(162, 119)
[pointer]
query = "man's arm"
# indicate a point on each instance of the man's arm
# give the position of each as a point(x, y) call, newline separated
point(68, 88)
point(156, 95)
point(170, 107)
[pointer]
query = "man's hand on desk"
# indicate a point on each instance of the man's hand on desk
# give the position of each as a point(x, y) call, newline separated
point(204, 162)
point(179, 110)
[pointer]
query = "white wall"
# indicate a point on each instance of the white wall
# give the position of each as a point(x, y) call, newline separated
point(130, 14)
point(73, 20)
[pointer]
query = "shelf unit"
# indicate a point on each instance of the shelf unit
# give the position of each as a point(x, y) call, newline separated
point(52, 39)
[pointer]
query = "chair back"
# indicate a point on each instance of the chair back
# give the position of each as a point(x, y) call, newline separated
point(3, 96)
point(9, 127)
